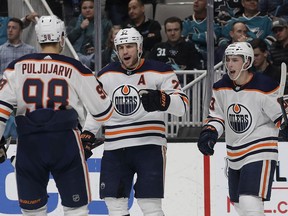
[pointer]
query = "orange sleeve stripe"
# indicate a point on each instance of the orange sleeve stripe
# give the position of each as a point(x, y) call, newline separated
point(107, 117)
point(251, 149)
point(135, 130)
point(278, 124)
point(5, 112)
point(214, 119)
point(185, 100)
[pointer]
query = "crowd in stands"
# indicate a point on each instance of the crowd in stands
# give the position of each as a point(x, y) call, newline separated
point(185, 43)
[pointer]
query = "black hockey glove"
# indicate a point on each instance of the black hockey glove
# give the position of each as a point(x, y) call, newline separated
point(154, 100)
point(89, 142)
point(3, 150)
point(207, 140)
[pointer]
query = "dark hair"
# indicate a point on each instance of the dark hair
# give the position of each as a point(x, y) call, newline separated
point(109, 43)
point(17, 20)
point(259, 43)
point(82, 1)
point(139, 1)
point(236, 22)
point(173, 20)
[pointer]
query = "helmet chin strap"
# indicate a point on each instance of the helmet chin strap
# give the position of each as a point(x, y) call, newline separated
point(62, 45)
point(138, 62)
point(242, 69)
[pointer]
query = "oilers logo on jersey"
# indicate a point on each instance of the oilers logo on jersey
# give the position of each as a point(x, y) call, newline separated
point(239, 118)
point(126, 100)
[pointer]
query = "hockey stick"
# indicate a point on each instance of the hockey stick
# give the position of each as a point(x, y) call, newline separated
point(281, 94)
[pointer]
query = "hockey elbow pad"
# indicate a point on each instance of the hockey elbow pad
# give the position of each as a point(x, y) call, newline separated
point(207, 140)
point(154, 100)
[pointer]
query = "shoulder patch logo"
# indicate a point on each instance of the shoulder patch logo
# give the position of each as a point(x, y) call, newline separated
point(239, 118)
point(126, 100)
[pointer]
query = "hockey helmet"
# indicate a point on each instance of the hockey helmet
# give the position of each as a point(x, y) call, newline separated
point(49, 29)
point(241, 48)
point(129, 35)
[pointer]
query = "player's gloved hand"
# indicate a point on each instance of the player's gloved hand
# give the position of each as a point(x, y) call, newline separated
point(154, 100)
point(90, 142)
point(207, 140)
point(3, 150)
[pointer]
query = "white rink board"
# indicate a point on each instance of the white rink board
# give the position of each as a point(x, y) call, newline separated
point(184, 187)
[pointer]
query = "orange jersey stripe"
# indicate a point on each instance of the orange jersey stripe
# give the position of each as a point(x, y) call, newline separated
point(135, 130)
point(265, 178)
point(5, 112)
point(260, 145)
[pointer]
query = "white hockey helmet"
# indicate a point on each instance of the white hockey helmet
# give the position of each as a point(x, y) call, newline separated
point(49, 29)
point(129, 35)
point(241, 48)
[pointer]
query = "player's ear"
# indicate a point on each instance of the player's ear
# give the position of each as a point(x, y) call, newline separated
point(62, 41)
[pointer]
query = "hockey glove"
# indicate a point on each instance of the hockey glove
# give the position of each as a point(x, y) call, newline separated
point(3, 150)
point(207, 140)
point(154, 100)
point(89, 142)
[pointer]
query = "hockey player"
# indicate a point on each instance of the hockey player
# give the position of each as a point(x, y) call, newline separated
point(49, 90)
point(142, 92)
point(245, 105)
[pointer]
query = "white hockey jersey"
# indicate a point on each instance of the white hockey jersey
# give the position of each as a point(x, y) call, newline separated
point(251, 117)
point(41, 80)
point(130, 124)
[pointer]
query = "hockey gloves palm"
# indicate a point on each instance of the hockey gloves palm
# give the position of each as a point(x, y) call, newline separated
point(3, 150)
point(154, 100)
point(89, 142)
point(207, 140)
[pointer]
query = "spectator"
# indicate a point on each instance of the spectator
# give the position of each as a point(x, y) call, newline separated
point(259, 25)
point(238, 33)
point(76, 7)
point(109, 53)
point(261, 62)
point(149, 29)
point(177, 52)
point(14, 48)
point(195, 28)
point(81, 32)
point(4, 21)
point(117, 11)
point(224, 10)
point(279, 49)
point(275, 8)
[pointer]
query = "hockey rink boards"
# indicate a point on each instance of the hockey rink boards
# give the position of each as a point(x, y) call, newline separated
point(187, 192)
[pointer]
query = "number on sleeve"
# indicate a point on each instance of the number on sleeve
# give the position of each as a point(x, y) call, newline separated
point(101, 92)
point(2, 83)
